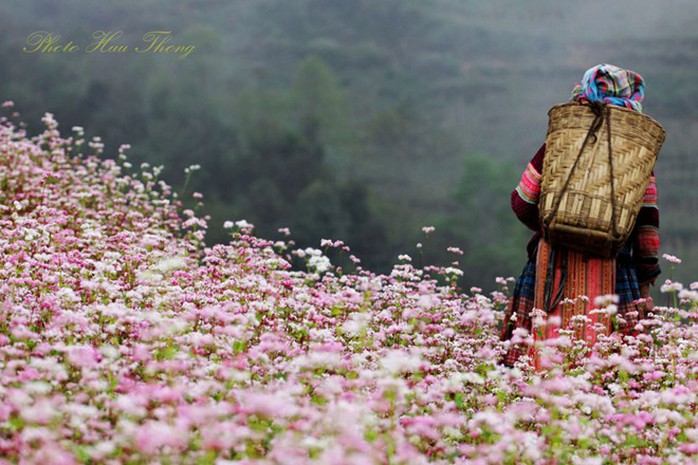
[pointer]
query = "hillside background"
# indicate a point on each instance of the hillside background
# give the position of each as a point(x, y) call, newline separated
point(361, 120)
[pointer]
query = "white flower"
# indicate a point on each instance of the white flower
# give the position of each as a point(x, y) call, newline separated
point(228, 225)
point(454, 271)
point(427, 301)
point(49, 121)
point(319, 264)
point(604, 300)
point(595, 460)
point(317, 359)
point(692, 434)
point(356, 323)
point(397, 361)
point(104, 448)
point(243, 224)
point(472, 378)
point(532, 447)
point(670, 286)
point(313, 252)
point(685, 294)
point(68, 294)
point(37, 388)
point(169, 264)
point(612, 309)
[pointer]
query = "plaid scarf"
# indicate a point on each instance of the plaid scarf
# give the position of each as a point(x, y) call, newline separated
point(608, 83)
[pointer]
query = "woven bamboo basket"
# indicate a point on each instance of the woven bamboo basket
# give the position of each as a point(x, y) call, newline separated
point(590, 200)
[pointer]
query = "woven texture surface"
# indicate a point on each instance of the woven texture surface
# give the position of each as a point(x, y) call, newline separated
point(578, 212)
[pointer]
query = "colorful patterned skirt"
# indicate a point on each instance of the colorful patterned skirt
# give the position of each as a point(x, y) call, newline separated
point(558, 289)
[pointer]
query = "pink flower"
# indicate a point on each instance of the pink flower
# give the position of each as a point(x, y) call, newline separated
point(266, 405)
point(52, 453)
point(83, 356)
point(654, 376)
point(152, 437)
point(42, 412)
point(671, 258)
point(421, 426)
point(689, 449)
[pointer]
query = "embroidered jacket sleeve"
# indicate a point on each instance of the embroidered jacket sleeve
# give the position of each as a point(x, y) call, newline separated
point(524, 199)
point(646, 244)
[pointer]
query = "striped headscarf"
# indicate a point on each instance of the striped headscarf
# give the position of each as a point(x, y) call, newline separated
point(611, 84)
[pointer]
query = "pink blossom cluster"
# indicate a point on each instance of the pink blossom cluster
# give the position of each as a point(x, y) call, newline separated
point(124, 339)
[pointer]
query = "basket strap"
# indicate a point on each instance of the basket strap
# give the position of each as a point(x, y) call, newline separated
point(614, 221)
point(550, 302)
point(599, 110)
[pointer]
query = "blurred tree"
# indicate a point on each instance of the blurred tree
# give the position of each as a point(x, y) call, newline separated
point(289, 160)
point(367, 231)
point(280, 173)
point(482, 223)
point(318, 102)
point(319, 209)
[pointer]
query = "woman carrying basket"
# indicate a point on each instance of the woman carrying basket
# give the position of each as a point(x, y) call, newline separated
point(558, 288)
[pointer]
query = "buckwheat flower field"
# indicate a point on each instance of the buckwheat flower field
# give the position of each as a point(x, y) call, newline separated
point(125, 340)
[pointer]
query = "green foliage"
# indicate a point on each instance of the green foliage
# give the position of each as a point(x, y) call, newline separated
point(481, 223)
point(319, 207)
point(318, 102)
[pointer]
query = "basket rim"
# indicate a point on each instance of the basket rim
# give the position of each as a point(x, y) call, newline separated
point(611, 107)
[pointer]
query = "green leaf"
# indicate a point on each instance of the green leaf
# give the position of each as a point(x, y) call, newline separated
point(459, 399)
point(239, 346)
point(167, 353)
point(207, 459)
point(81, 454)
point(16, 423)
